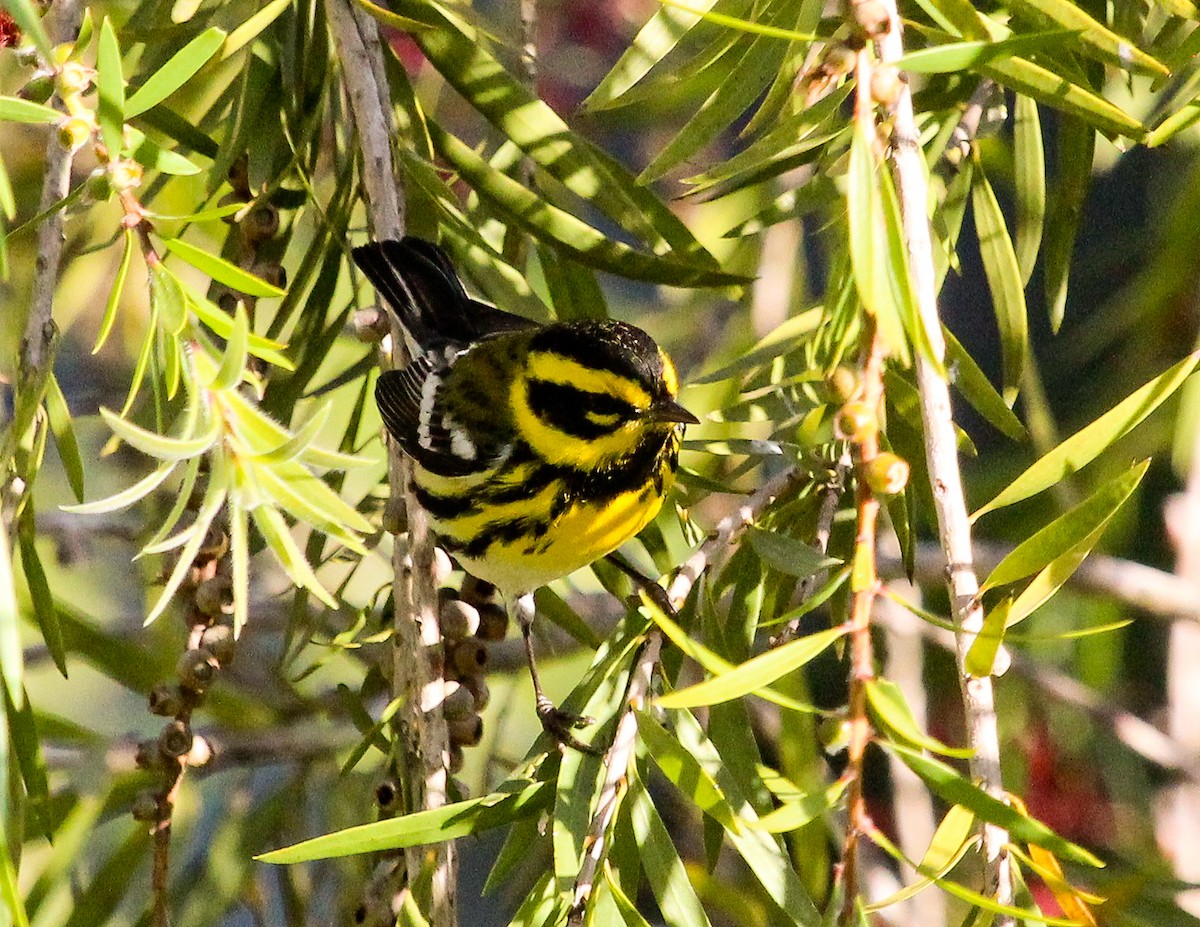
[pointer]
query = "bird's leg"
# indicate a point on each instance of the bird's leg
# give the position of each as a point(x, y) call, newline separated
point(557, 722)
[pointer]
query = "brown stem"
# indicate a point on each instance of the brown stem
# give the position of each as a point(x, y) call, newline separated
point(865, 586)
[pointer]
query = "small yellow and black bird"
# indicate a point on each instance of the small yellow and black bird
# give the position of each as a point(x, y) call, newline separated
point(537, 449)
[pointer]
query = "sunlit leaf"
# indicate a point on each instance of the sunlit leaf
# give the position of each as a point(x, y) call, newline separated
point(1076, 143)
point(125, 497)
point(222, 271)
point(160, 446)
point(891, 709)
point(1029, 178)
point(110, 82)
point(980, 660)
point(1088, 443)
point(958, 790)
point(423, 827)
point(1065, 532)
point(233, 361)
point(114, 295)
point(39, 591)
point(1004, 281)
point(14, 109)
point(214, 498)
point(64, 435)
point(755, 673)
point(179, 68)
point(682, 771)
point(278, 536)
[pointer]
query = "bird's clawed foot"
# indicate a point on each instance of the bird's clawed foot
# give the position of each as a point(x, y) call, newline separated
point(559, 723)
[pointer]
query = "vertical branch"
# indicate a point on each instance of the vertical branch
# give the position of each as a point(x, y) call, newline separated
point(37, 342)
point(941, 455)
point(864, 581)
point(424, 753)
point(1178, 814)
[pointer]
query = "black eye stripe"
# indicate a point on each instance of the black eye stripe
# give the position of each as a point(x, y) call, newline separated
point(566, 408)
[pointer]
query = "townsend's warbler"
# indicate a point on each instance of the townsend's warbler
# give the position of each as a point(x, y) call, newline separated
point(537, 449)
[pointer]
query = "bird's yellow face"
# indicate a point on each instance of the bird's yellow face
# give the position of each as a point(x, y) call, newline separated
point(578, 414)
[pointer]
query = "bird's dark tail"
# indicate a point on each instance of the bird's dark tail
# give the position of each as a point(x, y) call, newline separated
point(417, 281)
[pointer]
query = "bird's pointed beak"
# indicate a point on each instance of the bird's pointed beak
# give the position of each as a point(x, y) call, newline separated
point(668, 410)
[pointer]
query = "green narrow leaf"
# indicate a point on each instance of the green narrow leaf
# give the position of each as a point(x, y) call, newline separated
point(125, 497)
point(39, 591)
point(1075, 150)
point(221, 324)
point(309, 499)
point(685, 773)
point(64, 435)
point(981, 657)
point(655, 40)
point(958, 790)
point(665, 872)
point(10, 894)
point(176, 72)
point(239, 552)
point(8, 204)
point(214, 498)
point(300, 441)
point(1004, 281)
point(275, 532)
point(1089, 442)
point(891, 708)
point(11, 658)
point(154, 157)
point(961, 56)
point(1065, 532)
point(951, 841)
point(423, 827)
point(144, 355)
point(1054, 90)
point(114, 295)
point(14, 109)
point(110, 82)
point(160, 446)
point(868, 246)
point(628, 909)
point(252, 28)
point(974, 385)
point(1029, 178)
point(1116, 49)
point(754, 673)
point(233, 362)
point(575, 292)
point(222, 271)
point(548, 223)
point(787, 554)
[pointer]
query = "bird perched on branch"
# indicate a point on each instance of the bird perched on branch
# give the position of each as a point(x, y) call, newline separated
point(537, 449)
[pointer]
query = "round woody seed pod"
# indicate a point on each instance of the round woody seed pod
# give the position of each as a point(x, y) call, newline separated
point(215, 544)
point(458, 701)
point(479, 690)
point(456, 759)
point(175, 739)
point(145, 807)
point(214, 596)
point(477, 591)
point(395, 518)
point(218, 640)
point(458, 619)
point(840, 59)
point(493, 622)
point(261, 224)
point(148, 756)
point(468, 657)
point(197, 669)
point(465, 732)
point(272, 272)
point(165, 700)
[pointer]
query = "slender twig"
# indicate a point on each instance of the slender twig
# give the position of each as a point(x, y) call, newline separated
point(423, 749)
point(620, 754)
point(38, 340)
point(954, 528)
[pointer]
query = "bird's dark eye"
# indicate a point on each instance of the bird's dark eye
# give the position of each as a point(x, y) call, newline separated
point(576, 412)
